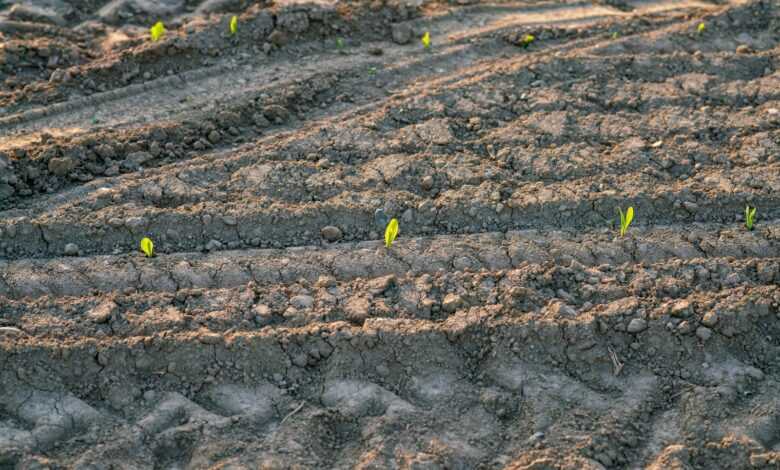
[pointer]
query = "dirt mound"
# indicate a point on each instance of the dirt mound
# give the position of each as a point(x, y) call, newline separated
point(509, 325)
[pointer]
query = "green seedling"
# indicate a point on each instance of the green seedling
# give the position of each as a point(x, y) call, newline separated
point(701, 27)
point(527, 40)
point(340, 44)
point(426, 40)
point(750, 217)
point(234, 25)
point(147, 247)
point(371, 71)
point(391, 232)
point(615, 35)
point(625, 220)
point(157, 31)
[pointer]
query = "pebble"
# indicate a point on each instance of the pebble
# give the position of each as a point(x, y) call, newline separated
point(743, 49)
point(102, 313)
point(302, 301)
point(331, 233)
point(710, 319)
point(357, 309)
point(703, 333)
point(214, 137)
point(213, 245)
point(451, 303)
point(681, 308)
point(636, 325)
point(427, 183)
point(61, 166)
point(71, 249)
point(402, 33)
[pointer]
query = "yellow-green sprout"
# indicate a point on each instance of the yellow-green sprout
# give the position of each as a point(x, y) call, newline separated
point(625, 220)
point(147, 247)
point(391, 232)
point(750, 217)
point(157, 31)
point(527, 40)
point(615, 35)
point(426, 40)
point(234, 25)
point(701, 27)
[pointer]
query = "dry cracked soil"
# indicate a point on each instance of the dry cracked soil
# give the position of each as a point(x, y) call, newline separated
point(508, 327)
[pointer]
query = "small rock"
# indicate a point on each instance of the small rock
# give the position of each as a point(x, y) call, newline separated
point(451, 303)
point(427, 183)
point(152, 192)
point(34, 14)
point(105, 151)
point(326, 281)
point(357, 309)
point(302, 301)
point(277, 38)
point(681, 308)
point(703, 333)
point(102, 313)
point(331, 233)
point(139, 158)
point(71, 249)
point(61, 166)
point(636, 325)
point(214, 137)
point(213, 245)
point(381, 284)
point(744, 49)
point(229, 220)
point(402, 33)
point(710, 319)
point(381, 219)
point(684, 327)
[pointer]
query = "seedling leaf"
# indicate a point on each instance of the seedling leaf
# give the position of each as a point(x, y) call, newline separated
point(234, 24)
point(147, 247)
point(426, 40)
point(157, 31)
point(625, 220)
point(701, 27)
point(527, 40)
point(391, 232)
point(750, 217)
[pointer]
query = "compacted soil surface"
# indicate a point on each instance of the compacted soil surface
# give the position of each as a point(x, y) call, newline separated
point(509, 326)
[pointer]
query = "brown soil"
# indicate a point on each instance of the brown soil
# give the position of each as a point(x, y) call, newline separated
point(509, 326)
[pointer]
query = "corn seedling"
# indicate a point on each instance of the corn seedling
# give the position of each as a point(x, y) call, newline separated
point(625, 220)
point(391, 232)
point(750, 217)
point(527, 40)
point(371, 71)
point(615, 35)
point(147, 247)
point(340, 44)
point(157, 31)
point(701, 28)
point(426, 40)
point(234, 25)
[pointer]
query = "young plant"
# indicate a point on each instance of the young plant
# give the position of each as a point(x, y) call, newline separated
point(234, 25)
point(527, 40)
point(340, 44)
point(391, 232)
point(750, 217)
point(147, 247)
point(157, 31)
point(615, 35)
point(700, 29)
point(625, 220)
point(426, 40)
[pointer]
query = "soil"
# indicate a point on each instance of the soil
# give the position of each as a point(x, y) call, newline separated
point(509, 326)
